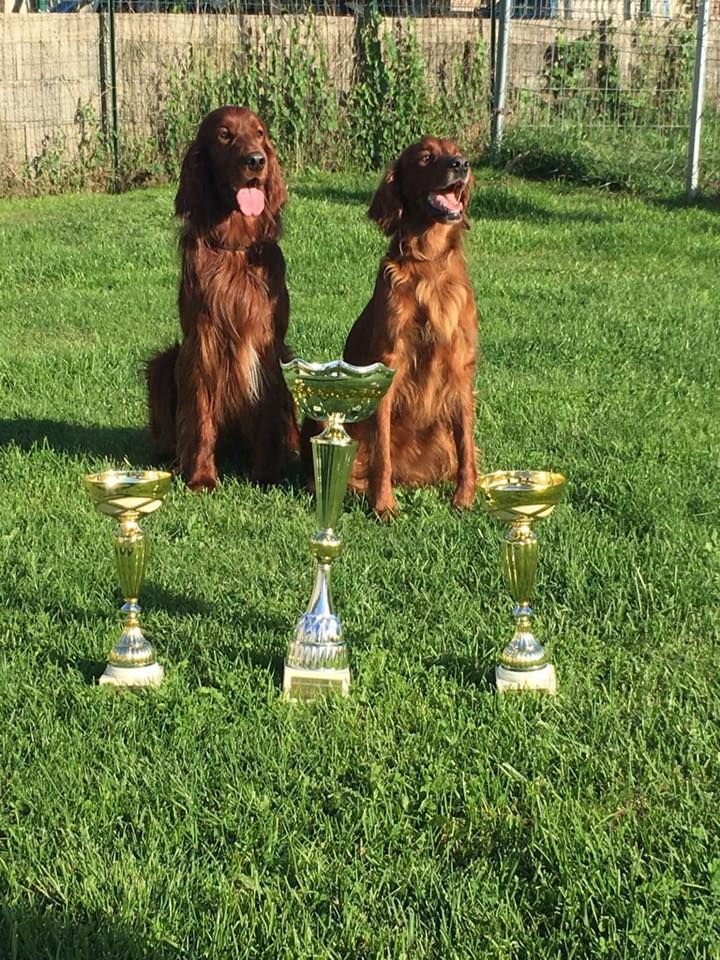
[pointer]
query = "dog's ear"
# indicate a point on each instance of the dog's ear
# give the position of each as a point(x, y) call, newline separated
point(465, 198)
point(191, 192)
point(275, 189)
point(386, 207)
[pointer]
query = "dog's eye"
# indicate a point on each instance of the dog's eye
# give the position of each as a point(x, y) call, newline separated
point(224, 136)
point(425, 158)
point(261, 132)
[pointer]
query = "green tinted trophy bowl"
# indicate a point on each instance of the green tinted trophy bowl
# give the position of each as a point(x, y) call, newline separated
point(519, 498)
point(127, 495)
point(337, 392)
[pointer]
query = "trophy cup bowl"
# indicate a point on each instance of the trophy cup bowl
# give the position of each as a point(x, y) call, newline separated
point(339, 393)
point(336, 388)
point(126, 496)
point(519, 498)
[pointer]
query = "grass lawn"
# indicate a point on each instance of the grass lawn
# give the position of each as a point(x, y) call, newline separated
point(423, 817)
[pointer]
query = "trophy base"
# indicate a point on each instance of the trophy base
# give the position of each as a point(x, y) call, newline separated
point(301, 683)
point(543, 679)
point(148, 676)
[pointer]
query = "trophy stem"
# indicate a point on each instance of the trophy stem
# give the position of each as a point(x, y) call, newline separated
point(523, 662)
point(317, 657)
point(333, 454)
point(132, 659)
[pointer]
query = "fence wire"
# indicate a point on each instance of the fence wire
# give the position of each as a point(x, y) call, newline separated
point(598, 90)
point(608, 97)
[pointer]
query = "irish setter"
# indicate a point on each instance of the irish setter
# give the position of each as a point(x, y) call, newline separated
point(422, 321)
point(223, 381)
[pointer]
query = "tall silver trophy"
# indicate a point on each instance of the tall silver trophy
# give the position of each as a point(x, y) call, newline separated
point(338, 393)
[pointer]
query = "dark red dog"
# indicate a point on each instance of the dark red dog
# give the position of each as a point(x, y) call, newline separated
point(223, 381)
point(422, 321)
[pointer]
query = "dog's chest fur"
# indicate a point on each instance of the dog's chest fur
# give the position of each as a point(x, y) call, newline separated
point(239, 328)
point(433, 312)
point(428, 299)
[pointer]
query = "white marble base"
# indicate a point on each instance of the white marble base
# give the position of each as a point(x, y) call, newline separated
point(149, 676)
point(543, 679)
point(300, 683)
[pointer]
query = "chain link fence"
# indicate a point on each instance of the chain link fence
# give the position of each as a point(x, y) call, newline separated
point(596, 90)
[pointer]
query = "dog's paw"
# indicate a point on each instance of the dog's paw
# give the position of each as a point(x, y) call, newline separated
point(386, 508)
point(464, 498)
point(203, 481)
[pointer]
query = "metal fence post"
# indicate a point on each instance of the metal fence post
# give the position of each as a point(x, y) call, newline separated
point(500, 78)
point(113, 94)
point(493, 46)
point(698, 97)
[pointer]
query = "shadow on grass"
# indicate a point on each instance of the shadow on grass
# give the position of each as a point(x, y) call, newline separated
point(90, 670)
point(270, 656)
point(262, 639)
point(488, 203)
point(493, 203)
point(152, 599)
point(334, 194)
point(176, 604)
point(576, 169)
point(46, 933)
point(268, 662)
point(464, 671)
point(709, 203)
point(103, 443)
point(118, 445)
point(66, 617)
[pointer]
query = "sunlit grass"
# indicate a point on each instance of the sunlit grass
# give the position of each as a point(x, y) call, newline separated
point(423, 817)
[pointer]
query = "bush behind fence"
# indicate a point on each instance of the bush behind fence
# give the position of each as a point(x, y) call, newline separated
point(602, 100)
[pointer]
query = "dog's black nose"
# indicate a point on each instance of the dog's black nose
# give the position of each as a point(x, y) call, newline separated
point(459, 163)
point(255, 161)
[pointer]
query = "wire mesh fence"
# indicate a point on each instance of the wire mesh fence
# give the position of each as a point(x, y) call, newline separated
point(598, 90)
point(608, 96)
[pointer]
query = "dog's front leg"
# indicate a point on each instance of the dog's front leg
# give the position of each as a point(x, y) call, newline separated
point(196, 437)
point(463, 422)
point(381, 491)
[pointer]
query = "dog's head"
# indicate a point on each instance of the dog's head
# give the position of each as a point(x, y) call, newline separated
point(231, 167)
point(430, 182)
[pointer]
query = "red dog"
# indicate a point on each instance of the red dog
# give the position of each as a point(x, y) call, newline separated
point(422, 321)
point(223, 381)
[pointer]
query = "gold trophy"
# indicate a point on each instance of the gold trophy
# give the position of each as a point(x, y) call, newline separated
point(520, 497)
point(339, 393)
point(128, 495)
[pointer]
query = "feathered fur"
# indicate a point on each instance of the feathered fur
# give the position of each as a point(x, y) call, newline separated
point(422, 321)
point(222, 382)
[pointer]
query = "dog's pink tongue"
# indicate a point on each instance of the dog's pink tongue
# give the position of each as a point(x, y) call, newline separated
point(447, 201)
point(251, 201)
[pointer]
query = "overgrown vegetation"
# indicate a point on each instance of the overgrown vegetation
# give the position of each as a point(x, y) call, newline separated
point(581, 75)
point(595, 122)
point(583, 81)
point(395, 101)
point(360, 117)
point(88, 161)
point(285, 78)
point(390, 99)
point(598, 117)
